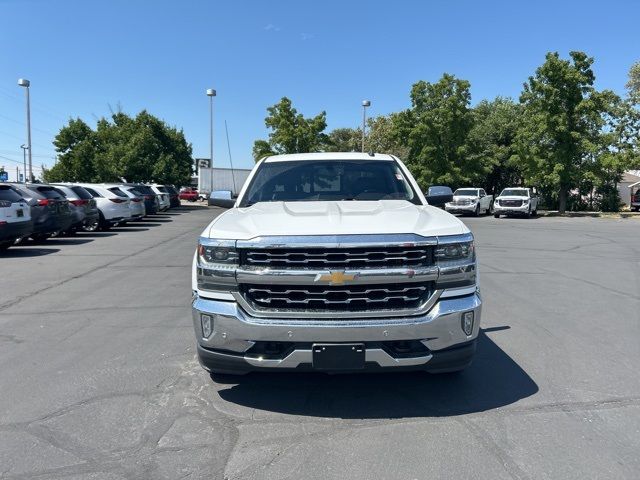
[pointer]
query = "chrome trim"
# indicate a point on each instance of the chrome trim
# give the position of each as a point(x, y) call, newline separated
point(216, 242)
point(234, 330)
point(448, 239)
point(301, 356)
point(336, 315)
point(338, 241)
point(362, 276)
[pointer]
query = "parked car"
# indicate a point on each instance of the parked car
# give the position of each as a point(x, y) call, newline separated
point(113, 209)
point(150, 198)
point(174, 196)
point(471, 200)
point(635, 197)
point(15, 217)
point(50, 210)
point(189, 194)
point(136, 202)
point(516, 201)
point(439, 195)
point(83, 206)
point(163, 196)
point(305, 273)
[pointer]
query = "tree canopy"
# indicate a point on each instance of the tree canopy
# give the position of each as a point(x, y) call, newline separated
point(136, 149)
point(291, 132)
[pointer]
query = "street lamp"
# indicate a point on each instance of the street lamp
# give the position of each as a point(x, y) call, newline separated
point(24, 161)
point(365, 104)
point(211, 93)
point(23, 82)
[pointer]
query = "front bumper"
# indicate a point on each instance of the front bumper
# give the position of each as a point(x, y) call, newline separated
point(522, 210)
point(451, 208)
point(228, 348)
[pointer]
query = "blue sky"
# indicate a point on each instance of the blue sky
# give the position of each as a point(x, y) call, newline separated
point(83, 56)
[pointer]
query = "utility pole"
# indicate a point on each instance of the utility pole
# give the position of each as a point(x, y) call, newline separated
point(365, 104)
point(210, 93)
point(24, 161)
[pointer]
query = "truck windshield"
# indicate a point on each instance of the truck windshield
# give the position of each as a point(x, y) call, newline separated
point(515, 192)
point(330, 180)
point(466, 192)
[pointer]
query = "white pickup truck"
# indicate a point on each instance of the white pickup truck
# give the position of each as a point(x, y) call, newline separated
point(334, 262)
point(516, 201)
point(471, 200)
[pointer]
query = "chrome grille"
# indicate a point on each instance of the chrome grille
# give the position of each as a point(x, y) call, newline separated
point(510, 203)
point(362, 257)
point(338, 298)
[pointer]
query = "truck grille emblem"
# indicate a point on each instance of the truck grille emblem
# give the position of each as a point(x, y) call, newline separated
point(336, 278)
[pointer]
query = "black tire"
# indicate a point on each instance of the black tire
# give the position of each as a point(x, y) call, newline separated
point(528, 214)
point(92, 227)
point(40, 237)
point(103, 224)
point(476, 212)
point(4, 246)
point(496, 215)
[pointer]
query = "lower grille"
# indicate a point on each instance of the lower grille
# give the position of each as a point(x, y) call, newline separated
point(338, 298)
point(510, 203)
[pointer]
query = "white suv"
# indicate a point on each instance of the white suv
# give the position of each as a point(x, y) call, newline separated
point(163, 196)
point(136, 202)
point(516, 201)
point(113, 208)
point(15, 217)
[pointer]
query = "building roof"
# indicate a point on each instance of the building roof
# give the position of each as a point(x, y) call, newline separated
point(632, 176)
point(328, 156)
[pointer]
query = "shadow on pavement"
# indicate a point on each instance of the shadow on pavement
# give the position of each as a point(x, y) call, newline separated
point(493, 380)
point(148, 224)
point(25, 250)
point(129, 229)
point(95, 234)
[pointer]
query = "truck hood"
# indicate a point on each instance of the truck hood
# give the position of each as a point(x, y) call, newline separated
point(464, 197)
point(333, 218)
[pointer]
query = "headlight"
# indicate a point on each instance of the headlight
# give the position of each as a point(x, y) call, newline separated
point(454, 251)
point(217, 263)
point(456, 260)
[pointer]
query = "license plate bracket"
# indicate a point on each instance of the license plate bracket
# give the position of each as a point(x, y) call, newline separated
point(338, 356)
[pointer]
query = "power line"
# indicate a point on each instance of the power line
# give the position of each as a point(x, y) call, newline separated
point(18, 162)
point(23, 124)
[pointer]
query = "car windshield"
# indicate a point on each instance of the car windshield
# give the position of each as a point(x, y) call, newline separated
point(81, 192)
point(118, 192)
point(466, 192)
point(8, 194)
point(306, 181)
point(514, 192)
point(438, 190)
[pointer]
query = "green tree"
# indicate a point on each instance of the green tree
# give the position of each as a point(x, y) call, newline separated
point(633, 84)
point(382, 136)
point(491, 144)
point(137, 149)
point(291, 132)
point(344, 140)
point(435, 131)
point(563, 116)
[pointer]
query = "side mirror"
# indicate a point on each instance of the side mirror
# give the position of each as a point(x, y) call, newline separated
point(221, 198)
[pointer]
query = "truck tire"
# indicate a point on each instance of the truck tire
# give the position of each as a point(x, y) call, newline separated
point(476, 212)
point(496, 215)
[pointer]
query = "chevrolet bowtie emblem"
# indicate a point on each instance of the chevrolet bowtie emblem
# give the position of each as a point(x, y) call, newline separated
point(336, 278)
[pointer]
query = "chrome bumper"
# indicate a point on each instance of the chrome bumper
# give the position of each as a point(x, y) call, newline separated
point(235, 332)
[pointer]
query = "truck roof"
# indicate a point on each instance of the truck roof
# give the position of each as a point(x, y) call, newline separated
point(297, 157)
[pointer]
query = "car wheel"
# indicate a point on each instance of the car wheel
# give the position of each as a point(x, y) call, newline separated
point(476, 212)
point(91, 227)
point(496, 215)
point(528, 214)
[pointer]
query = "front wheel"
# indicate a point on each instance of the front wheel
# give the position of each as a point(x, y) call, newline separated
point(496, 215)
point(476, 212)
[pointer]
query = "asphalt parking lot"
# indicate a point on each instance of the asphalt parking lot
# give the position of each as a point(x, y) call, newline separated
point(99, 378)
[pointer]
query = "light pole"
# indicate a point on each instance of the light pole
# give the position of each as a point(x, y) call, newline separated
point(365, 104)
point(211, 93)
point(24, 161)
point(23, 82)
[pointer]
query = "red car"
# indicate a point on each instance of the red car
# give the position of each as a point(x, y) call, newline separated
point(189, 194)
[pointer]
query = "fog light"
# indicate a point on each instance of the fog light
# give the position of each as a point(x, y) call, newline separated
point(207, 325)
point(467, 323)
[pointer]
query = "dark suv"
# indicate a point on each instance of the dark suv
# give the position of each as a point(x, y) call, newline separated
point(149, 196)
point(83, 207)
point(174, 196)
point(50, 210)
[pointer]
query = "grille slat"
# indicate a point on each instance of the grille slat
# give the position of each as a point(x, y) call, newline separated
point(339, 257)
point(337, 298)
